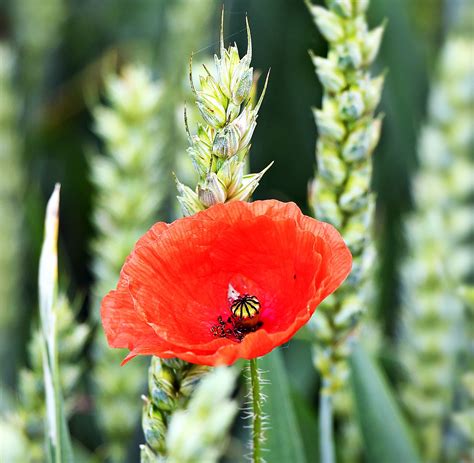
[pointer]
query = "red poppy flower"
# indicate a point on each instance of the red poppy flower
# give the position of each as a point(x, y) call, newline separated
point(234, 281)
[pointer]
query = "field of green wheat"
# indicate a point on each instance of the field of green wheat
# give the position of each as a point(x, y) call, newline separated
point(236, 231)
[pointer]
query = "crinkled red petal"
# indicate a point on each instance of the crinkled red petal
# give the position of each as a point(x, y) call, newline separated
point(174, 284)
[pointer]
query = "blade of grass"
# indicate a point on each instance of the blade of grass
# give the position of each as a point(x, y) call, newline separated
point(58, 442)
point(385, 434)
point(284, 442)
point(307, 422)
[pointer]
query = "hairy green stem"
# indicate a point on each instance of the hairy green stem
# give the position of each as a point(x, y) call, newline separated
point(326, 437)
point(257, 412)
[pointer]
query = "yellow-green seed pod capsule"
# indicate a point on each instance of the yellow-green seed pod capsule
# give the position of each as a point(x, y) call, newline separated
point(245, 307)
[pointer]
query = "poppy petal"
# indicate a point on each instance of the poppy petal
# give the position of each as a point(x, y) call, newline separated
point(173, 288)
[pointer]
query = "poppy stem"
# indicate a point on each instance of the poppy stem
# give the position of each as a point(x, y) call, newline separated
point(326, 428)
point(257, 412)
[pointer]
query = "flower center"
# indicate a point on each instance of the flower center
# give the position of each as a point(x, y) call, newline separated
point(244, 318)
point(246, 308)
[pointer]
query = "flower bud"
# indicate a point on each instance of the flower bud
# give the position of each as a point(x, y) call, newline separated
point(329, 23)
point(211, 191)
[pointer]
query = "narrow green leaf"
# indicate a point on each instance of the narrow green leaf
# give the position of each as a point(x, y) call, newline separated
point(385, 434)
point(308, 425)
point(58, 442)
point(284, 442)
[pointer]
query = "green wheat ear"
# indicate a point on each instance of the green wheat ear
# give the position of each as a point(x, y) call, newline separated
point(220, 146)
point(340, 193)
point(208, 417)
point(127, 198)
point(433, 335)
point(348, 132)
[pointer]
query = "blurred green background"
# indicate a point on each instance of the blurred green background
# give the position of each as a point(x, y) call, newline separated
point(64, 49)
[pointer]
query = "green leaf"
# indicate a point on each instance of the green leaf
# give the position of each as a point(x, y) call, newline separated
point(308, 425)
point(284, 442)
point(385, 434)
point(58, 442)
